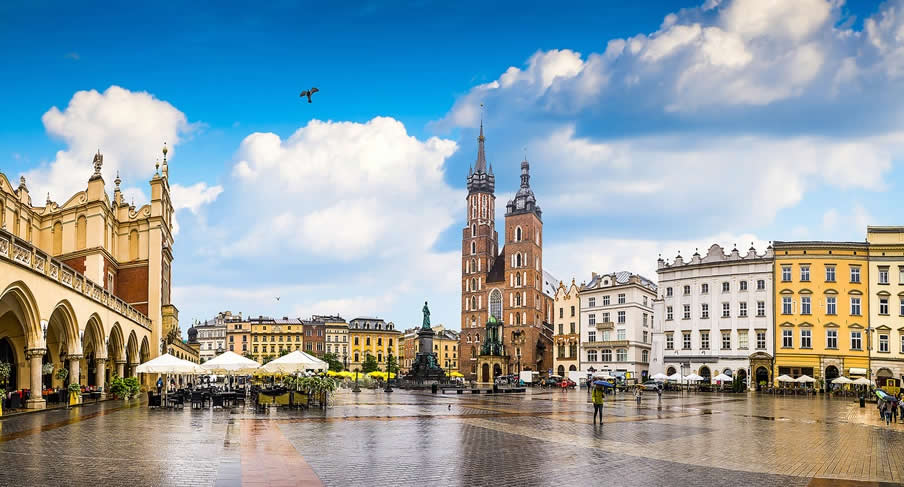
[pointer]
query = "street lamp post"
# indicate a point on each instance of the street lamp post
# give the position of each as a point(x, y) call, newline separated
point(388, 372)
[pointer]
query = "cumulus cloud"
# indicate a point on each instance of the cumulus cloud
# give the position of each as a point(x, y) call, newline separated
point(128, 127)
point(192, 198)
point(346, 190)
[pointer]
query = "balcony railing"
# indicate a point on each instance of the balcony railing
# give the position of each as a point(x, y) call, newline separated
point(605, 325)
point(28, 255)
point(606, 344)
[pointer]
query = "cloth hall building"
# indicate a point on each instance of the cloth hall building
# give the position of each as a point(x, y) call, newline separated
point(508, 284)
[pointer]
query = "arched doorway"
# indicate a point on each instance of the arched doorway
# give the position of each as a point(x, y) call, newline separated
point(7, 355)
point(831, 374)
point(497, 371)
point(485, 373)
point(572, 368)
point(561, 370)
point(706, 374)
point(670, 371)
point(762, 377)
point(742, 376)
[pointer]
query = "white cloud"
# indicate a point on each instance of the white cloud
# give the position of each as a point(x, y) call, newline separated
point(128, 127)
point(192, 198)
point(345, 190)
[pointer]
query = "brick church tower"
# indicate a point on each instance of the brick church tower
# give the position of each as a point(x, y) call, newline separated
point(509, 285)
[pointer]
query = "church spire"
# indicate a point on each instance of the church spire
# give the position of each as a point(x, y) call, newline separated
point(480, 179)
point(481, 155)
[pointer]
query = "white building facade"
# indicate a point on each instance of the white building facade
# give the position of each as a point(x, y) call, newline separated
point(714, 314)
point(212, 336)
point(616, 316)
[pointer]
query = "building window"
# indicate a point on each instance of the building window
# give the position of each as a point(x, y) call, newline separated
point(591, 355)
point(704, 340)
point(761, 340)
point(883, 343)
point(621, 355)
point(496, 304)
point(855, 273)
point(761, 285)
point(621, 316)
point(726, 287)
point(561, 329)
point(645, 356)
point(687, 290)
point(686, 338)
point(883, 306)
point(761, 308)
point(473, 248)
point(742, 339)
point(591, 319)
point(704, 288)
point(900, 274)
point(804, 272)
point(670, 342)
point(902, 306)
point(606, 317)
point(832, 339)
point(787, 339)
point(621, 334)
point(883, 275)
point(669, 315)
point(572, 311)
point(645, 336)
point(571, 327)
point(742, 309)
point(591, 336)
point(726, 310)
point(786, 305)
point(606, 356)
point(902, 343)
point(831, 305)
point(726, 340)
point(606, 300)
point(742, 285)
point(805, 339)
point(621, 298)
point(856, 341)
point(786, 273)
point(830, 273)
point(687, 311)
point(644, 320)
point(704, 311)
point(855, 306)
point(591, 302)
point(668, 290)
point(805, 305)
point(561, 312)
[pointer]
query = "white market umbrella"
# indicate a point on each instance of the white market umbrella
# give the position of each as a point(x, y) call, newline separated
point(660, 376)
point(805, 379)
point(168, 364)
point(722, 378)
point(842, 380)
point(694, 377)
point(863, 381)
point(230, 363)
point(785, 378)
point(295, 362)
point(675, 377)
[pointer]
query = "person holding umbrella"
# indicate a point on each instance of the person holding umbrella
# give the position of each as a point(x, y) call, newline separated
point(598, 398)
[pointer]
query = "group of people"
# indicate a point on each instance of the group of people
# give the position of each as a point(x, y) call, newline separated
point(888, 409)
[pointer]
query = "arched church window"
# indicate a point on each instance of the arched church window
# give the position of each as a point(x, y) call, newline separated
point(496, 304)
point(517, 260)
point(473, 248)
point(473, 284)
point(81, 232)
point(57, 237)
point(518, 234)
point(518, 279)
point(473, 230)
point(473, 265)
point(473, 303)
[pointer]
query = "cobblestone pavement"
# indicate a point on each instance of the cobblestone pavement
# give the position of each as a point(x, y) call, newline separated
point(399, 438)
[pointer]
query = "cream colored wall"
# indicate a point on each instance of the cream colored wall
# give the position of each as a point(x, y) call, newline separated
point(886, 250)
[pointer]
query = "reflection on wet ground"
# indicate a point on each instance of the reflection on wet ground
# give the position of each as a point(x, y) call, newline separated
point(400, 438)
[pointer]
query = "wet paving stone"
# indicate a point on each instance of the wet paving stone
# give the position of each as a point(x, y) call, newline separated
point(407, 439)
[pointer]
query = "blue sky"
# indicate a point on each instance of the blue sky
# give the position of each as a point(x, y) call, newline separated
point(655, 127)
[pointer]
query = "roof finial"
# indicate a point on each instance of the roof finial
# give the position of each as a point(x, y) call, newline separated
point(117, 181)
point(156, 166)
point(48, 198)
point(98, 163)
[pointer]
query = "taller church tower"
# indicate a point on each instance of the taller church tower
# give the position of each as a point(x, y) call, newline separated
point(479, 241)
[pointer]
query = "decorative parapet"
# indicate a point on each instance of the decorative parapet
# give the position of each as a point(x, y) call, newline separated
point(27, 255)
point(716, 255)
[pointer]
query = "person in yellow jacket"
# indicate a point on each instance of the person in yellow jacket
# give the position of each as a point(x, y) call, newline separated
point(598, 397)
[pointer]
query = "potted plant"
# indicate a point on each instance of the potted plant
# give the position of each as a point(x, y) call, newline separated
point(62, 374)
point(74, 390)
point(133, 386)
point(119, 389)
point(5, 370)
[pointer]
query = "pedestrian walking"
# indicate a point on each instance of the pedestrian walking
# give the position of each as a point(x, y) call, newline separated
point(659, 392)
point(887, 409)
point(598, 398)
point(637, 393)
point(159, 385)
point(893, 406)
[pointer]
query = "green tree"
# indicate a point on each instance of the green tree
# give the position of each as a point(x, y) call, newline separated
point(283, 351)
point(370, 364)
point(248, 355)
point(333, 360)
point(393, 365)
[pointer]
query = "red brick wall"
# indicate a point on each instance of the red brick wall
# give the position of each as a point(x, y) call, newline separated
point(77, 264)
point(132, 286)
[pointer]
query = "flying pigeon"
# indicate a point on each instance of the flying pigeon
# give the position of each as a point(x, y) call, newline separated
point(308, 93)
point(277, 298)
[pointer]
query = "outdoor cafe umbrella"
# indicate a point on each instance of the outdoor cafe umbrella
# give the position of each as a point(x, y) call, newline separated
point(675, 377)
point(722, 378)
point(694, 377)
point(805, 379)
point(660, 376)
point(294, 362)
point(230, 363)
point(863, 381)
point(785, 378)
point(842, 380)
point(167, 364)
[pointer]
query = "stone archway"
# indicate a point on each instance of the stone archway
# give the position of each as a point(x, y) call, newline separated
point(742, 376)
point(831, 374)
point(706, 374)
point(762, 377)
point(497, 371)
point(8, 355)
point(670, 371)
point(485, 373)
point(572, 368)
point(132, 358)
point(561, 371)
point(19, 327)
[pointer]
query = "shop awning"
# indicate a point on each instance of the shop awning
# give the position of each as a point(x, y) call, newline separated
point(857, 371)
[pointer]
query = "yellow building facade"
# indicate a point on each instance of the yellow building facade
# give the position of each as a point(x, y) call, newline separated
point(566, 329)
point(372, 336)
point(271, 338)
point(822, 309)
point(886, 285)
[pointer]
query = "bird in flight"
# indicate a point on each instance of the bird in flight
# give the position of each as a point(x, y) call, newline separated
point(308, 93)
point(277, 298)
